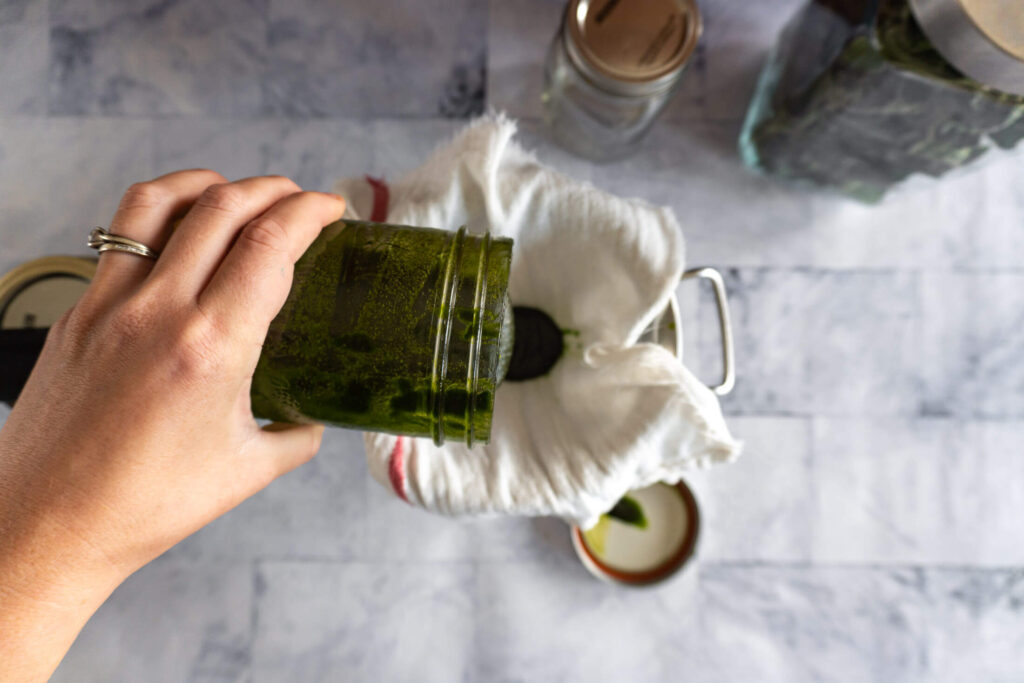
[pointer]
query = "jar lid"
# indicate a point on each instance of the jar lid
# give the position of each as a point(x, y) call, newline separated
point(633, 47)
point(37, 293)
point(984, 39)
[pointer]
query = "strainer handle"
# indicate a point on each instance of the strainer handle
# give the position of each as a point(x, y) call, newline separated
point(724, 326)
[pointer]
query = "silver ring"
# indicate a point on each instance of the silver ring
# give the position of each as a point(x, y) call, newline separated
point(101, 241)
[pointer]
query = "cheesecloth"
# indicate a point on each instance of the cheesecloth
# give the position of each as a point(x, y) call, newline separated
point(612, 414)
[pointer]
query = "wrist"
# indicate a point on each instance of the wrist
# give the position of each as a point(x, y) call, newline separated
point(47, 567)
point(44, 559)
point(51, 585)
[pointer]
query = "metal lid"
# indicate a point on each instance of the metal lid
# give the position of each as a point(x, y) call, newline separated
point(982, 38)
point(632, 47)
point(36, 294)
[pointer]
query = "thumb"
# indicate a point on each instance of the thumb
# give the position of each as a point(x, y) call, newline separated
point(283, 447)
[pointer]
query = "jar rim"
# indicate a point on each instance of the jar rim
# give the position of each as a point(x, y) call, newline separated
point(975, 38)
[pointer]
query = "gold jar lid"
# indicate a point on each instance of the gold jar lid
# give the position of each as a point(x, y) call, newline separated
point(631, 47)
point(37, 293)
point(984, 39)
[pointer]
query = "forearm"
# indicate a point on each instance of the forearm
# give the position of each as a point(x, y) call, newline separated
point(48, 590)
point(164, 353)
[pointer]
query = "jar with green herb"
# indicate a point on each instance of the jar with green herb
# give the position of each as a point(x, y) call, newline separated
point(859, 95)
point(391, 328)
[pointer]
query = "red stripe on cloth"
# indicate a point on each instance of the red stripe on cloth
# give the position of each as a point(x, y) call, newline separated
point(396, 468)
point(381, 198)
point(396, 462)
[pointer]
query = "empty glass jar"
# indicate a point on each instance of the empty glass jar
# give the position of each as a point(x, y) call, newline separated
point(611, 69)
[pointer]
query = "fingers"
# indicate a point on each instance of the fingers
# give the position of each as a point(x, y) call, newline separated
point(252, 283)
point(204, 236)
point(145, 214)
point(282, 447)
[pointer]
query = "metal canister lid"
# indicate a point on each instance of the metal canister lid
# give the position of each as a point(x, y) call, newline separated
point(37, 293)
point(631, 47)
point(984, 39)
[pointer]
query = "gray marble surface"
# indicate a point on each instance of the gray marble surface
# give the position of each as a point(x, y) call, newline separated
point(871, 532)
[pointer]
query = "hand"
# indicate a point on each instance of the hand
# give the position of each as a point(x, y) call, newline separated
point(135, 429)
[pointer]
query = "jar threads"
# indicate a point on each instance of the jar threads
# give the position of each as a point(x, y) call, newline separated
point(445, 315)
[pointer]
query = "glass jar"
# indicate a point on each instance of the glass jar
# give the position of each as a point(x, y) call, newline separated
point(391, 328)
point(611, 69)
point(858, 95)
point(33, 296)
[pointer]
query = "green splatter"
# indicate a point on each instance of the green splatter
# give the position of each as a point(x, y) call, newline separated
point(629, 511)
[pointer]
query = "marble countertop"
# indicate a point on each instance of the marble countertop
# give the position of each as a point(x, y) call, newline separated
point(871, 532)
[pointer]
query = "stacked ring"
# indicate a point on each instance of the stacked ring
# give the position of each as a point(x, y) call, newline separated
point(101, 241)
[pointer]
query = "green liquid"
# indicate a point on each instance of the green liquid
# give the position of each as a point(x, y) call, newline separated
point(390, 328)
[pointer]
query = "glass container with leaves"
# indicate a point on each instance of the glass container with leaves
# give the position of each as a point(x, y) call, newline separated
point(859, 95)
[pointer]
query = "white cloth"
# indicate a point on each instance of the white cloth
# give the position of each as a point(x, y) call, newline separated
point(613, 414)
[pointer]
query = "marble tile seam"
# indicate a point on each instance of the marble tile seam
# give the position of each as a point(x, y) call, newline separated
point(810, 565)
point(266, 560)
point(811, 269)
point(689, 118)
point(935, 418)
point(71, 118)
point(264, 117)
point(748, 564)
point(256, 588)
point(948, 416)
point(254, 118)
point(894, 416)
point(256, 564)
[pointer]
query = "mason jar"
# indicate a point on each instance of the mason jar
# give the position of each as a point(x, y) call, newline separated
point(611, 68)
point(859, 95)
point(391, 328)
point(33, 297)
